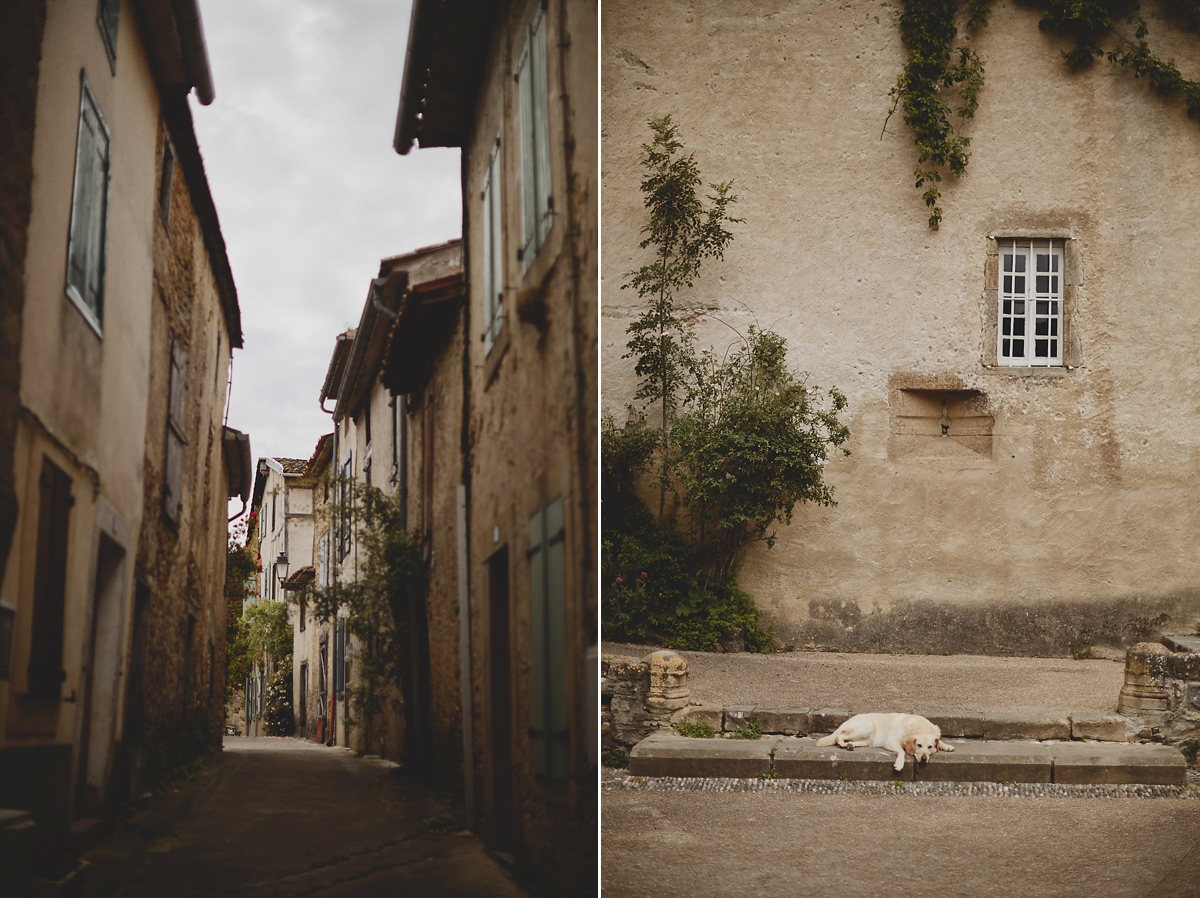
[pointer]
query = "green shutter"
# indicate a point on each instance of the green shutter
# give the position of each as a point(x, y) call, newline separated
point(549, 727)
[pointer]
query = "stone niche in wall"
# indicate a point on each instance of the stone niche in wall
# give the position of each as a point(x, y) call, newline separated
point(935, 417)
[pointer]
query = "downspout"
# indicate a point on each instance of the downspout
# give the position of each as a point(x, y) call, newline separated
point(464, 525)
point(586, 515)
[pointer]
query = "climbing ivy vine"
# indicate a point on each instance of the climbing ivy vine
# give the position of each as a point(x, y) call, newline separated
point(943, 77)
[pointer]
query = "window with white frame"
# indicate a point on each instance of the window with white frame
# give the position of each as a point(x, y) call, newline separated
point(537, 204)
point(89, 210)
point(493, 252)
point(1030, 319)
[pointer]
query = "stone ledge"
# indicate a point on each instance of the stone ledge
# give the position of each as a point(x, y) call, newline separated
point(996, 762)
point(1027, 726)
point(804, 759)
point(1100, 727)
point(666, 753)
point(1079, 762)
point(669, 754)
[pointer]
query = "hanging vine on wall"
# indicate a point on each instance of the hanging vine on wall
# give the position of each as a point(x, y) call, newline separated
point(936, 67)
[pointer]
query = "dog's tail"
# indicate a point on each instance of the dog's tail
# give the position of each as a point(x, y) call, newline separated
point(827, 740)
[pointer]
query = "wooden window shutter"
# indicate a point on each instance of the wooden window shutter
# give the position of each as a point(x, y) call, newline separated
point(176, 413)
point(533, 103)
point(548, 706)
point(85, 253)
point(46, 673)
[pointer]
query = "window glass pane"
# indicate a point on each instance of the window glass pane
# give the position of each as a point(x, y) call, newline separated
point(1020, 263)
point(1041, 348)
point(1043, 283)
point(1018, 348)
point(1019, 327)
point(1018, 285)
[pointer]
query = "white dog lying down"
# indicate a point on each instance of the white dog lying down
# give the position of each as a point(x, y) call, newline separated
point(905, 734)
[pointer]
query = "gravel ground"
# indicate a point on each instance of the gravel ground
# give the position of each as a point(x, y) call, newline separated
point(923, 684)
point(850, 839)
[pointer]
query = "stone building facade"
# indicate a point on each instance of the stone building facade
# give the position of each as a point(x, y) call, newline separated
point(118, 456)
point(283, 526)
point(1058, 510)
point(523, 111)
point(396, 433)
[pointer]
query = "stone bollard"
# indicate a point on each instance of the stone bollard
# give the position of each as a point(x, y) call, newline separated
point(638, 697)
point(669, 690)
point(1144, 694)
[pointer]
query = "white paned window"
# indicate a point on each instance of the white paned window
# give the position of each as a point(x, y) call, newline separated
point(1030, 332)
point(493, 252)
point(537, 205)
point(89, 211)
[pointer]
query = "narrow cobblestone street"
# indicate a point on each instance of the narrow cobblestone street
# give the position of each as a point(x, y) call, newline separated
point(283, 817)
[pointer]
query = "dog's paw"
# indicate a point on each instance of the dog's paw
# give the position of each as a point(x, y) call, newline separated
point(898, 766)
point(945, 746)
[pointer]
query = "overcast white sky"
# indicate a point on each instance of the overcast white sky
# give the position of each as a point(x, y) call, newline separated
point(310, 193)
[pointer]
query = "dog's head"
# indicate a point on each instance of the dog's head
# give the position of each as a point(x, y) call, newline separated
point(922, 745)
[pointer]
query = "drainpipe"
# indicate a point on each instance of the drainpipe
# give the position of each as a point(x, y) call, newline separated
point(464, 523)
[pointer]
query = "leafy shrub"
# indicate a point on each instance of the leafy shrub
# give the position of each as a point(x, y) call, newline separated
point(277, 711)
point(696, 729)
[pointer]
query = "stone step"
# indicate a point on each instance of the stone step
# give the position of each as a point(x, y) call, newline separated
point(1104, 727)
point(666, 753)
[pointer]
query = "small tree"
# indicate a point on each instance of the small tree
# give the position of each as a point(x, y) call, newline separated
point(683, 232)
point(380, 600)
point(741, 438)
point(753, 441)
point(240, 568)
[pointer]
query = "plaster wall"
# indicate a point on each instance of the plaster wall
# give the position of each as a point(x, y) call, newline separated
point(82, 404)
point(1077, 527)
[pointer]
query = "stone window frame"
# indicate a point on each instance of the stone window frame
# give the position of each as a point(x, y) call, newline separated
point(1072, 280)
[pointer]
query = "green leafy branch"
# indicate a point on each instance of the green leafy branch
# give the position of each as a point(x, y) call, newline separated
point(935, 66)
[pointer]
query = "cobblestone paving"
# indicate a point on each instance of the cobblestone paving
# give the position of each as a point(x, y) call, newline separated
point(620, 781)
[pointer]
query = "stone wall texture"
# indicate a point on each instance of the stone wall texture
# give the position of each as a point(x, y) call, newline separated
point(1065, 514)
point(20, 53)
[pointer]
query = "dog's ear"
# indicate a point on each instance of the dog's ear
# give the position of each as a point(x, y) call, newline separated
point(910, 745)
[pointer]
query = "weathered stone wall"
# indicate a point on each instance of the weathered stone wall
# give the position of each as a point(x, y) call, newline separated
point(1162, 691)
point(183, 563)
point(20, 53)
point(639, 697)
point(1066, 517)
point(532, 436)
point(435, 439)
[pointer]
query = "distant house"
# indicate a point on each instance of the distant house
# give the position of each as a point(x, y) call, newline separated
point(515, 88)
point(119, 319)
point(408, 446)
point(283, 539)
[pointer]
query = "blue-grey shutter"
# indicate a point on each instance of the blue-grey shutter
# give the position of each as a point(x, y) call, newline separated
point(109, 18)
point(339, 658)
point(176, 409)
point(85, 253)
point(533, 108)
point(493, 252)
point(548, 714)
